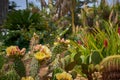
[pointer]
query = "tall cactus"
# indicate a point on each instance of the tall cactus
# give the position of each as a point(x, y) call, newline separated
point(110, 68)
point(34, 68)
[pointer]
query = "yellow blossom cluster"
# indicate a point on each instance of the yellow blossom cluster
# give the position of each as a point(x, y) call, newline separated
point(43, 52)
point(63, 76)
point(27, 78)
point(14, 50)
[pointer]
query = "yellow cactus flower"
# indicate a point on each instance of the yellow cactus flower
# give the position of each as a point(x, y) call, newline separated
point(43, 53)
point(41, 56)
point(46, 50)
point(14, 50)
point(67, 41)
point(56, 43)
point(63, 76)
point(27, 78)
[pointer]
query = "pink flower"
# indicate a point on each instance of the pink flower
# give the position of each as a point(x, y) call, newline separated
point(37, 47)
point(79, 42)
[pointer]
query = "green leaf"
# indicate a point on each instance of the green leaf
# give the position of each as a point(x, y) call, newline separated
point(88, 59)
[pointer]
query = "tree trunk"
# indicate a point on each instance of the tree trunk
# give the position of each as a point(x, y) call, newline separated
point(3, 10)
point(73, 15)
point(27, 4)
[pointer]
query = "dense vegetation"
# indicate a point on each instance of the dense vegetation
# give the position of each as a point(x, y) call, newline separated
point(64, 40)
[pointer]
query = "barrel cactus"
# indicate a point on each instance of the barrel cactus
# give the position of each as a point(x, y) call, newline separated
point(110, 68)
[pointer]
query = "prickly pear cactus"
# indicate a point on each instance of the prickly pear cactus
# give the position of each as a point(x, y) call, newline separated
point(19, 67)
point(55, 71)
point(110, 68)
point(34, 68)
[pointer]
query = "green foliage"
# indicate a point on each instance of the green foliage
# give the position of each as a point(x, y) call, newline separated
point(16, 38)
point(23, 19)
point(21, 25)
point(96, 38)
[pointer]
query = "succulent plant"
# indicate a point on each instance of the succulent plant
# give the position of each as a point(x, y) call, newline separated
point(10, 75)
point(110, 68)
point(19, 67)
point(34, 68)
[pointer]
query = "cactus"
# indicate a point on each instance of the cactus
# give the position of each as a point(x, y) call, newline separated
point(34, 68)
point(110, 68)
point(95, 57)
point(55, 71)
point(19, 67)
point(60, 48)
point(10, 75)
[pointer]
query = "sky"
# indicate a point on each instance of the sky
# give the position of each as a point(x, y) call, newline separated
point(22, 3)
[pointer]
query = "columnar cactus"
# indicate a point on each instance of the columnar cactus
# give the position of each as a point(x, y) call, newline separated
point(34, 68)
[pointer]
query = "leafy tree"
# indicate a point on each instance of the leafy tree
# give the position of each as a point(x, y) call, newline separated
point(62, 8)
